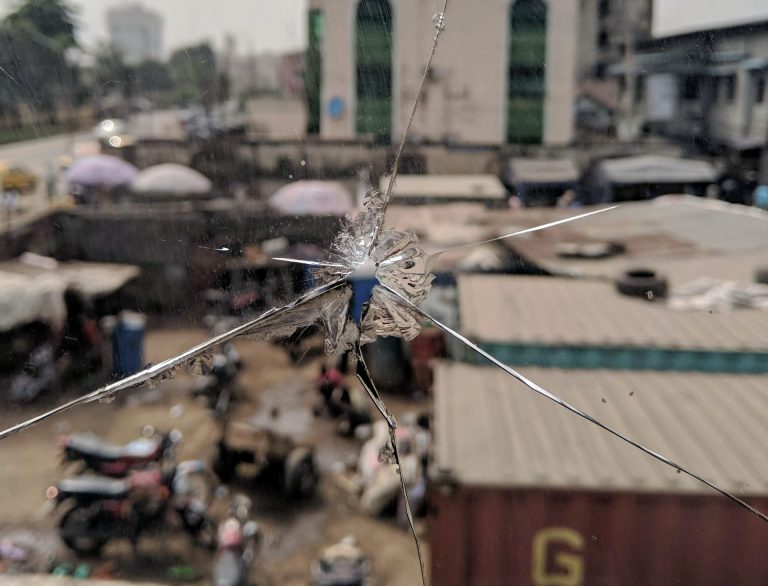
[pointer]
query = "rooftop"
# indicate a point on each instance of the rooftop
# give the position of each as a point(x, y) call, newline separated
point(446, 187)
point(566, 312)
point(684, 237)
point(491, 431)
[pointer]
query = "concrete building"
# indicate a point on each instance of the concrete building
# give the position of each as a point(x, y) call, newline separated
point(603, 32)
point(136, 32)
point(706, 86)
point(504, 71)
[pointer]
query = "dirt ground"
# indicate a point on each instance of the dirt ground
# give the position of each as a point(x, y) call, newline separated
point(294, 533)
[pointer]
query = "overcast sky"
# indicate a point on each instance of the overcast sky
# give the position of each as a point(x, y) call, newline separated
point(279, 25)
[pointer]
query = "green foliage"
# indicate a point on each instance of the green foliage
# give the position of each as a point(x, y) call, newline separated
point(53, 19)
point(34, 39)
point(194, 76)
point(110, 73)
point(152, 76)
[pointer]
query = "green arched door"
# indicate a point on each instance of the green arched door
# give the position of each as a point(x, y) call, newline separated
point(525, 75)
point(373, 50)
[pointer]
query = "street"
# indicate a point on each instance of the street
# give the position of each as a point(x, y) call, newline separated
point(36, 155)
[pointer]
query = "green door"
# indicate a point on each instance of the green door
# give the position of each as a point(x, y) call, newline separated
point(525, 76)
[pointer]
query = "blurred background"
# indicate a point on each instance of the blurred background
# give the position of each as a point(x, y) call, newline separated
point(156, 159)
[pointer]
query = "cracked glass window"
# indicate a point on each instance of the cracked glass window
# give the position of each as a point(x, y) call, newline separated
point(383, 292)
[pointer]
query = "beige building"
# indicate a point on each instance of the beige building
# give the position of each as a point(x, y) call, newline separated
point(467, 98)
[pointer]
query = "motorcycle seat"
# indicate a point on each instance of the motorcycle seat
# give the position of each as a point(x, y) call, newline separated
point(92, 445)
point(94, 486)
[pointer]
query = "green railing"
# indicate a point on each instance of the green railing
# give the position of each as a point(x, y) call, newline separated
point(623, 358)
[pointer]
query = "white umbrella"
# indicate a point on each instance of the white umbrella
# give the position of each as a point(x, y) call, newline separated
point(313, 198)
point(170, 178)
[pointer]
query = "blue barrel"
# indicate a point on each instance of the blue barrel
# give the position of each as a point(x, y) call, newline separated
point(361, 293)
point(128, 345)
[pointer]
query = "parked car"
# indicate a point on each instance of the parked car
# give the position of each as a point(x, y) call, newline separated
point(18, 177)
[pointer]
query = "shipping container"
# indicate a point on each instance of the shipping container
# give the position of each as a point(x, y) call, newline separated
point(494, 536)
point(525, 493)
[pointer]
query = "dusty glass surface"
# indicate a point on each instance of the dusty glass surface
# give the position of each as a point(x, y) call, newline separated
point(282, 303)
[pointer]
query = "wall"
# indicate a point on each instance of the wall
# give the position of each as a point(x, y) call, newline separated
point(464, 101)
point(162, 240)
point(728, 120)
point(276, 117)
point(482, 536)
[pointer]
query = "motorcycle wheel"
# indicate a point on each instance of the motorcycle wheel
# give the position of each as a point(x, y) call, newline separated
point(82, 530)
point(301, 477)
point(225, 464)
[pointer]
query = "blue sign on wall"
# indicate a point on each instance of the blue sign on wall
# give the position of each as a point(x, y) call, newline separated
point(335, 107)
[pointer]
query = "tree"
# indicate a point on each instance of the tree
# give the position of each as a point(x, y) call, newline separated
point(193, 71)
point(35, 38)
point(152, 76)
point(53, 19)
point(33, 71)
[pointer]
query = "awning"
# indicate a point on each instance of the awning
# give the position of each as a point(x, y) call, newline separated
point(649, 169)
point(32, 287)
point(542, 171)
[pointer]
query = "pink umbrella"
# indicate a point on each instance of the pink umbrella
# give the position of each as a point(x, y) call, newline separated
point(312, 198)
point(104, 170)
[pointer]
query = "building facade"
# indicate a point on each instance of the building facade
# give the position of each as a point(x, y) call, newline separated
point(505, 71)
point(707, 86)
point(136, 32)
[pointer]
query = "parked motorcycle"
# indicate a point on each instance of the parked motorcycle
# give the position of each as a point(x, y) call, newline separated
point(341, 564)
point(272, 457)
point(103, 509)
point(106, 458)
point(237, 541)
point(218, 385)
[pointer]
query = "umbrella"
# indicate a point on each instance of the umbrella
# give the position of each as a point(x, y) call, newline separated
point(170, 178)
point(313, 198)
point(104, 170)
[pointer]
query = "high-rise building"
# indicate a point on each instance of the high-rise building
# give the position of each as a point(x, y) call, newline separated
point(136, 32)
point(505, 72)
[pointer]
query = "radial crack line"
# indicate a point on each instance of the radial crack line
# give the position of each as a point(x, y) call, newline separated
point(364, 377)
point(367, 381)
point(439, 27)
point(529, 230)
point(165, 366)
point(312, 263)
point(542, 391)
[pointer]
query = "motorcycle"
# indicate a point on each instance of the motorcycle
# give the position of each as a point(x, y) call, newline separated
point(237, 542)
point(104, 509)
point(105, 458)
point(342, 564)
point(217, 386)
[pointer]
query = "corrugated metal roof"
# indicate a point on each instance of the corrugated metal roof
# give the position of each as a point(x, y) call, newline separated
point(491, 431)
point(556, 311)
point(683, 236)
point(446, 187)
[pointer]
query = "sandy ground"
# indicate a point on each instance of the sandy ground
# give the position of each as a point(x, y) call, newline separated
point(294, 532)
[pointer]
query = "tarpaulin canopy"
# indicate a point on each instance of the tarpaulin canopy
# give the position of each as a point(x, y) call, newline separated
point(313, 198)
point(547, 171)
point(32, 287)
point(100, 170)
point(170, 178)
point(656, 169)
